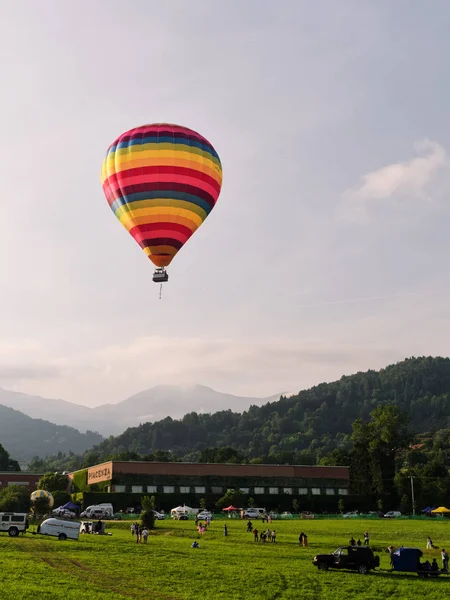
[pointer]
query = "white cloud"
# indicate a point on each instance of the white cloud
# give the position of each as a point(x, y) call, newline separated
point(410, 179)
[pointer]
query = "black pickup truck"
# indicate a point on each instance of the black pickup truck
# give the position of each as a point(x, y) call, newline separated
point(356, 558)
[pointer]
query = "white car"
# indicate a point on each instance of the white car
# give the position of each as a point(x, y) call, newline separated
point(351, 515)
point(286, 515)
point(251, 513)
point(63, 512)
point(13, 523)
point(204, 514)
point(159, 516)
point(392, 514)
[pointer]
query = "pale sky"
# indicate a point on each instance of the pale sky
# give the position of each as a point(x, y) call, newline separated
point(328, 249)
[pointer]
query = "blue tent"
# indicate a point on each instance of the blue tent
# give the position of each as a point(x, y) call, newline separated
point(407, 559)
point(428, 509)
point(71, 506)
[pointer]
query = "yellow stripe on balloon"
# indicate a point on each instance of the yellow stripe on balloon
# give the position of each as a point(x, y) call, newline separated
point(142, 216)
point(135, 163)
point(114, 164)
point(160, 202)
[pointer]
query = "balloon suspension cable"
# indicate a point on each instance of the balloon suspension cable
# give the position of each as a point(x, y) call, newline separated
point(160, 291)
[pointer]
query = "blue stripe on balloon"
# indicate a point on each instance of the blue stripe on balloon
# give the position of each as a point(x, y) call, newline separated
point(164, 139)
point(138, 196)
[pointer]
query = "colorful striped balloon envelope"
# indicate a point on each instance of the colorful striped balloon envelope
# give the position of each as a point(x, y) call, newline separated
point(161, 181)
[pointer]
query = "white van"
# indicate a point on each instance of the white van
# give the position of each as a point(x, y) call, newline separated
point(13, 523)
point(63, 530)
point(99, 511)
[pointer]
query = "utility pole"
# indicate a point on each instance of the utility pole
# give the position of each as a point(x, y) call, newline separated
point(412, 496)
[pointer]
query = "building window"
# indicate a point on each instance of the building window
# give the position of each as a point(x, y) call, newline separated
point(199, 489)
point(245, 490)
point(343, 492)
point(136, 489)
point(329, 492)
point(303, 491)
point(119, 488)
point(216, 490)
point(185, 489)
point(315, 491)
point(273, 490)
point(152, 489)
point(287, 491)
point(259, 490)
point(24, 483)
point(168, 489)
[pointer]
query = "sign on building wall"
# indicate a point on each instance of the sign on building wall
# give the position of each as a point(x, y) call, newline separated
point(98, 474)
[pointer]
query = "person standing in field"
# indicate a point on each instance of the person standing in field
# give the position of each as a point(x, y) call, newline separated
point(366, 538)
point(391, 555)
point(300, 539)
point(274, 536)
point(255, 535)
point(444, 556)
point(305, 540)
point(225, 530)
point(145, 535)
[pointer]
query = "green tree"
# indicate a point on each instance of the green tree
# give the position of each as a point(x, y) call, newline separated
point(203, 503)
point(6, 462)
point(148, 514)
point(235, 497)
point(53, 482)
point(251, 502)
point(341, 505)
point(41, 506)
point(14, 498)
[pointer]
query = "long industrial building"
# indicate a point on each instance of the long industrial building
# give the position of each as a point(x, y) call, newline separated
point(168, 479)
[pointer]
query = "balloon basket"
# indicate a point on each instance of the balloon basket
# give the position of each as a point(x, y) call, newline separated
point(160, 275)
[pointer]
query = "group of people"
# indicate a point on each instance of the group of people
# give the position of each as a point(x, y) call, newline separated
point(264, 536)
point(352, 541)
point(140, 531)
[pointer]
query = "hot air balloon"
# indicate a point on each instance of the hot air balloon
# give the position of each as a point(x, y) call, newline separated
point(161, 181)
point(42, 494)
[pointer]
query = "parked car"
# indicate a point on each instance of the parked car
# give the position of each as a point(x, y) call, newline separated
point(351, 515)
point(251, 513)
point(159, 516)
point(204, 514)
point(13, 523)
point(392, 514)
point(64, 513)
point(307, 515)
point(355, 558)
point(286, 515)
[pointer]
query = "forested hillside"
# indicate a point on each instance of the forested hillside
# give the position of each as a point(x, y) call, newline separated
point(24, 437)
point(388, 426)
point(305, 427)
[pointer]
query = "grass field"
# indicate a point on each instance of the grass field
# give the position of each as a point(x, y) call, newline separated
point(232, 568)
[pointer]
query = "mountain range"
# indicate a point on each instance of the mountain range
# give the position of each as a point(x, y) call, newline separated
point(24, 437)
point(149, 405)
